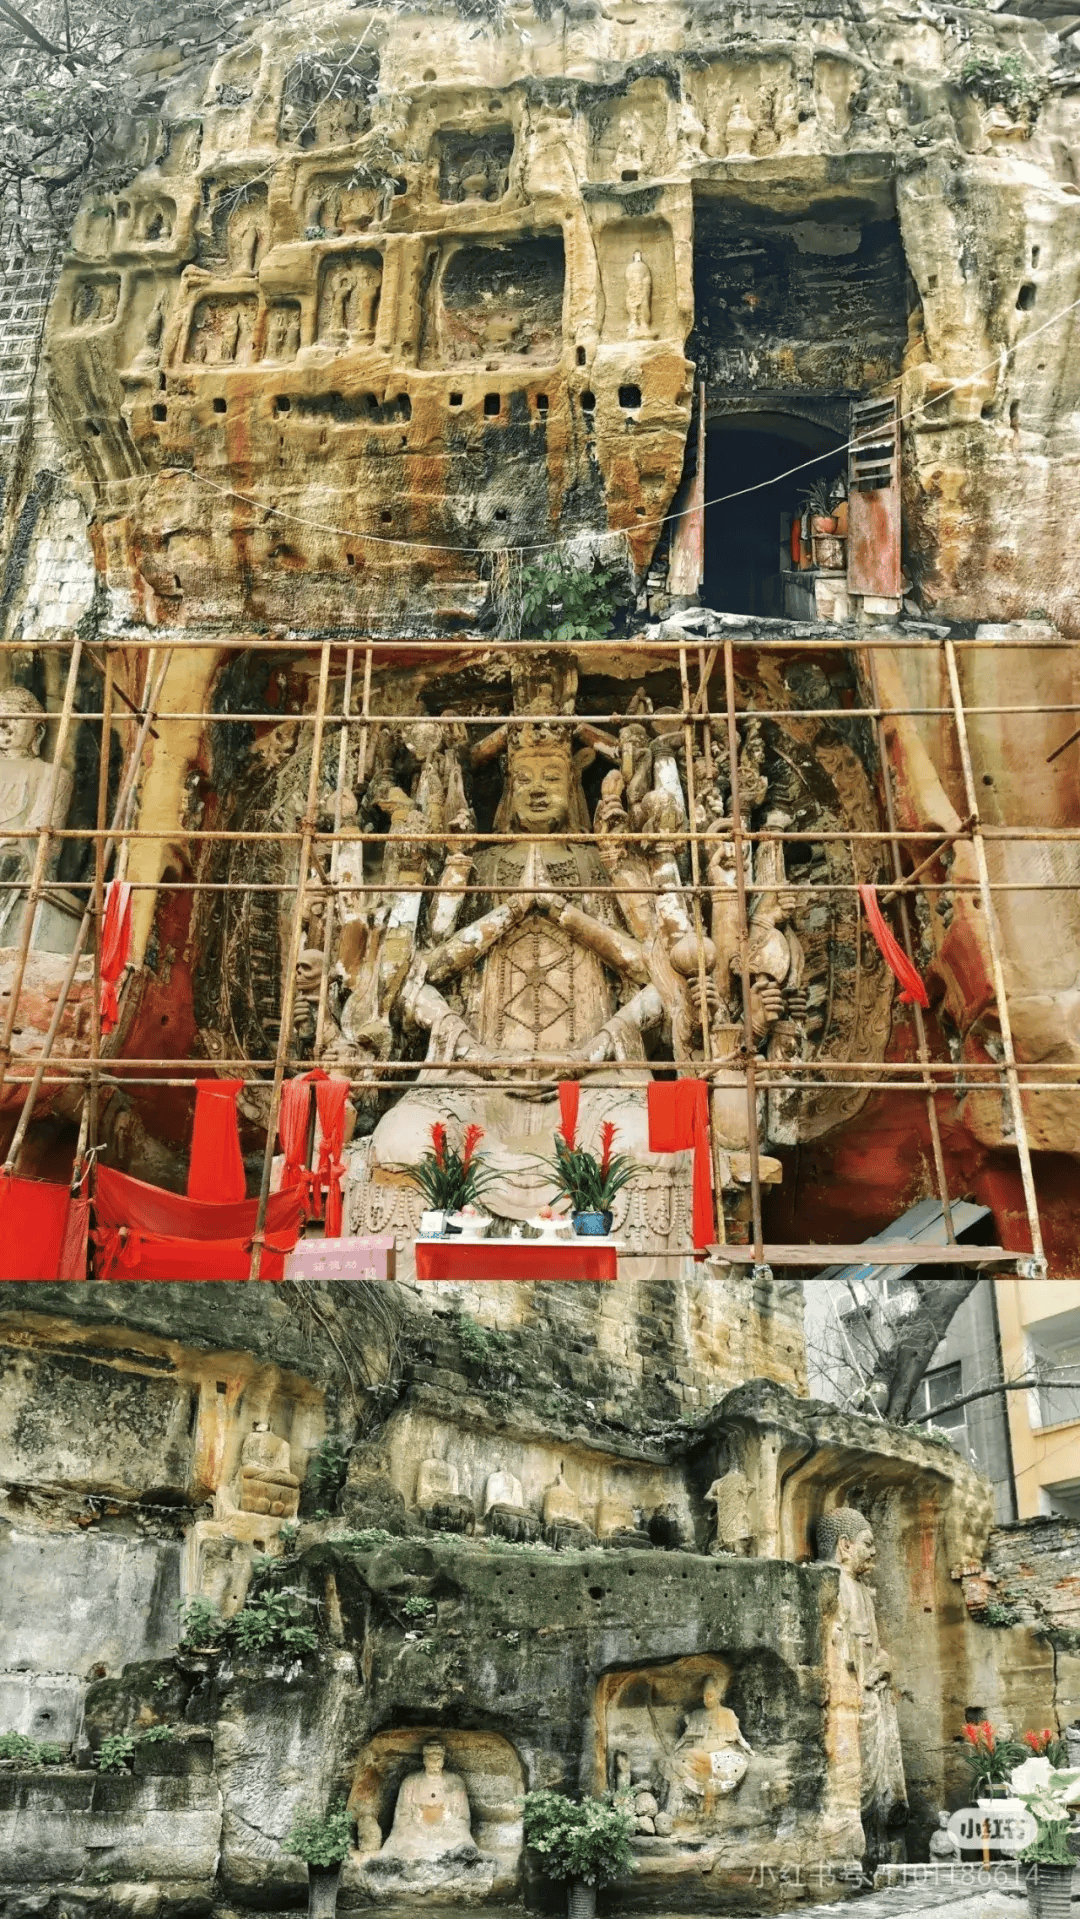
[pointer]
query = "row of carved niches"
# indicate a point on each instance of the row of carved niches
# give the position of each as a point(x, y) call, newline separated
point(489, 304)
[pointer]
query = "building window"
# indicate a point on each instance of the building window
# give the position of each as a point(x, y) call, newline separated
point(1057, 1362)
point(936, 1390)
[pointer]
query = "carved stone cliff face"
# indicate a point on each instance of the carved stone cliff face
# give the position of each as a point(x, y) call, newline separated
point(443, 291)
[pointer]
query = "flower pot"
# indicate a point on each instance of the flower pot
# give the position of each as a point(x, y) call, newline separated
point(580, 1900)
point(1049, 1891)
point(829, 552)
point(323, 1882)
point(598, 1223)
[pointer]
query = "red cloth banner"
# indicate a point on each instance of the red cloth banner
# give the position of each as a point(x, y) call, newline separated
point(894, 956)
point(43, 1230)
point(294, 1115)
point(678, 1122)
point(216, 1166)
point(330, 1098)
point(115, 948)
point(144, 1232)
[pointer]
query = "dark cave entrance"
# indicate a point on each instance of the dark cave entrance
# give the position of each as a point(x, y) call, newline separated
point(748, 566)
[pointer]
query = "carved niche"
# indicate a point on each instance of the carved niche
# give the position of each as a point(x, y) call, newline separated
point(221, 332)
point(94, 302)
point(350, 289)
point(496, 304)
point(637, 269)
point(488, 1786)
point(473, 166)
point(314, 114)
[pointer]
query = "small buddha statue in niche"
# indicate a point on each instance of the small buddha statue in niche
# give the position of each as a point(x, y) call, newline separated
point(24, 799)
point(266, 1483)
point(502, 1489)
point(432, 1815)
point(560, 1504)
point(436, 1480)
point(639, 297)
point(733, 1497)
point(846, 1539)
point(710, 1759)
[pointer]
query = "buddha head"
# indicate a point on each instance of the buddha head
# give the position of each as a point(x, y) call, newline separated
point(22, 723)
point(845, 1537)
point(434, 1756)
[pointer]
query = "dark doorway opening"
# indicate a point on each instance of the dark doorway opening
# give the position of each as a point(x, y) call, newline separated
point(747, 539)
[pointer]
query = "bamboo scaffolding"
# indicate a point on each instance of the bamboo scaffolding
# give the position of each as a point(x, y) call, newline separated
point(288, 992)
point(319, 883)
point(127, 788)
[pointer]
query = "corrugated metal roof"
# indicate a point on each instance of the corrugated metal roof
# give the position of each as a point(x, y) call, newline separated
point(921, 1225)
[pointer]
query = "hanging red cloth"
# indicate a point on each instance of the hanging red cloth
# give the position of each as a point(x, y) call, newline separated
point(294, 1114)
point(216, 1166)
point(569, 1101)
point(330, 1097)
point(146, 1233)
point(75, 1245)
point(679, 1121)
point(115, 948)
point(39, 1230)
point(894, 956)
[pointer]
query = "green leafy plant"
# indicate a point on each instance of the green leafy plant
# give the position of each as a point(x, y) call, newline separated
point(416, 1607)
point(590, 1184)
point(480, 1345)
point(272, 1623)
point(1001, 79)
point(289, 1533)
point(570, 604)
point(201, 1624)
point(451, 1177)
point(367, 1540)
point(319, 1841)
point(999, 1615)
point(585, 1839)
point(31, 1753)
point(116, 1752)
point(327, 1467)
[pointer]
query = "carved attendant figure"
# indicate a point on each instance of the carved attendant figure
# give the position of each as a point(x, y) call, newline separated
point(24, 797)
point(845, 1538)
point(639, 291)
point(432, 1814)
point(368, 286)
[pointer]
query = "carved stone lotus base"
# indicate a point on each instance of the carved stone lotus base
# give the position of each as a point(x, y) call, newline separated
point(453, 1514)
point(569, 1535)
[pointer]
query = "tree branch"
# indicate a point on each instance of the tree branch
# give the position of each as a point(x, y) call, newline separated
point(39, 40)
point(988, 1392)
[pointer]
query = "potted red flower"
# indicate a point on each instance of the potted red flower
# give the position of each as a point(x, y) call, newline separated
point(452, 1177)
point(589, 1183)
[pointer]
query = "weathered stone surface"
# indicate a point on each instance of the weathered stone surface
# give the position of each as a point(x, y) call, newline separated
point(70, 1824)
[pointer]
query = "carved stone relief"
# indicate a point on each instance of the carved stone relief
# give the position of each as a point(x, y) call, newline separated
point(437, 1811)
point(637, 272)
point(350, 290)
point(668, 1733)
point(95, 302)
point(221, 331)
point(496, 304)
point(473, 166)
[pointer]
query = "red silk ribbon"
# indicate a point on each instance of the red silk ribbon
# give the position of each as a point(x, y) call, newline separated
point(894, 956)
point(115, 948)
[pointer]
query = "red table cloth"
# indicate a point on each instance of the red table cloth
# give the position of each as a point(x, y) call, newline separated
point(521, 1259)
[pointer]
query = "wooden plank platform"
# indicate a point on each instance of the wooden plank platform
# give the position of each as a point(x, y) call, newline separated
point(896, 1252)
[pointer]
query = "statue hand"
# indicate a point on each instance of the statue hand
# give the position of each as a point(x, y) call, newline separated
point(766, 1005)
point(553, 904)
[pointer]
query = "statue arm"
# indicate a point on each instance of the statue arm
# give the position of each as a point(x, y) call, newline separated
point(465, 949)
point(642, 1013)
point(617, 950)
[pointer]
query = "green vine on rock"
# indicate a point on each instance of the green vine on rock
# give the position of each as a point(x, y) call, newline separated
point(1001, 79)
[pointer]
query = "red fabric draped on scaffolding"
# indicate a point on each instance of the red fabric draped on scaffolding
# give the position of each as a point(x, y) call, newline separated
point(115, 948)
point(144, 1232)
point(216, 1166)
point(293, 1120)
point(43, 1229)
point(678, 1120)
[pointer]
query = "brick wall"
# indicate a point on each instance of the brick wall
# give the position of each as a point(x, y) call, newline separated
point(1037, 1569)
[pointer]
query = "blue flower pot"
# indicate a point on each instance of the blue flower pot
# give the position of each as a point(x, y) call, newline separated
point(597, 1223)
